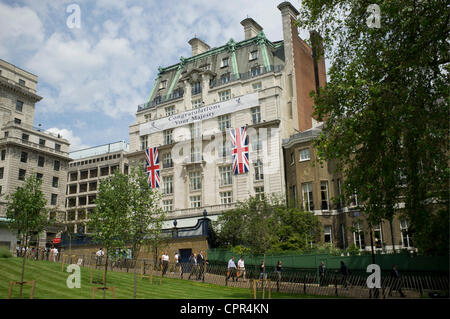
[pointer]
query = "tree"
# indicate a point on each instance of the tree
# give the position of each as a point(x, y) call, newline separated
point(27, 213)
point(386, 108)
point(109, 218)
point(146, 216)
point(266, 224)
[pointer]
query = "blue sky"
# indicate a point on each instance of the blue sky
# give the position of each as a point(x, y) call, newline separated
point(92, 78)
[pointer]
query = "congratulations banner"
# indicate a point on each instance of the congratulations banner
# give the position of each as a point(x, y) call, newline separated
point(200, 114)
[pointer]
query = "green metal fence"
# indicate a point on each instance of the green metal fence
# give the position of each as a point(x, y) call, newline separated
point(406, 262)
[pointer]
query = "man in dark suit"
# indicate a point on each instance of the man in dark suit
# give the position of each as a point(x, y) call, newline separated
point(396, 282)
point(201, 263)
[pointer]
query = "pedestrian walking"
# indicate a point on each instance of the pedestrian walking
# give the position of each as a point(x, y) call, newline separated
point(345, 273)
point(193, 265)
point(262, 271)
point(278, 269)
point(201, 265)
point(241, 269)
point(396, 282)
point(322, 271)
point(231, 270)
point(165, 262)
point(99, 254)
point(178, 265)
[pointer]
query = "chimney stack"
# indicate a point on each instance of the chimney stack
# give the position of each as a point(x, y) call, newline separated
point(198, 46)
point(251, 28)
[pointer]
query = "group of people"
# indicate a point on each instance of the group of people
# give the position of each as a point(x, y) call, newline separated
point(34, 252)
point(235, 273)
point(196, 264)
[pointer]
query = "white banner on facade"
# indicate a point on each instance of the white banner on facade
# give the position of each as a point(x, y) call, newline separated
point(200, 114)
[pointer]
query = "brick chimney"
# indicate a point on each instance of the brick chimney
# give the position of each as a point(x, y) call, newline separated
point(198, 46)
point(251, 28)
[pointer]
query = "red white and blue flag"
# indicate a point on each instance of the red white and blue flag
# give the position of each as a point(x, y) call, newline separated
point(152, 167)
point(239, 153)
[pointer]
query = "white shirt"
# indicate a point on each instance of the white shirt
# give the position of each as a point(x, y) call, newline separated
point(176, 257)
point(55, 251)
point(165, 257)
point(241, 263)
point(231, 264)
point(100, 253)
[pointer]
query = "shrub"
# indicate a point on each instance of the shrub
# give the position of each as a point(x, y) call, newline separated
point(5, 253)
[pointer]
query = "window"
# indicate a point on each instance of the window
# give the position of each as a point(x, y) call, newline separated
point(53, 199)
point(406, 238)
point(1, 172)
point(3, 156)
point(206, 67)
point(196, 201)
point(226, 197)
point(256, 115)
point(327, 234)
point(225, 175)
point(224, 95)
point(21, 82)
point(41, 142)
point(25, 137)
point(55, 181)
point(168, 205)
point(196, 154)
point(225, 148)
point(57, 147)
point(163, 84)
point(195, 181)
point(6, 134)
point(196, 129)
point(224, 62)
point(39, 176)
point(17, 121)
point(197, 103)
point(22, 173)
point(148, 117)
point(24, 157)
point(358, 236)
point(196, 88)
point(257, 142)
point(324, 195)
point(257, 86)
point(259, 175)
point(307, 193)
point(56, 165)
point(224, 122)
point(304, 155)
point(144, 142)
point(255, 71)
point(168, 136)
point(19, 106)
point(259, 192)
point(225, 78)
point(168, 185)
point(253, 55)
point(294, 195)
point(41, 161)
point(378, 237)
point(167, 160)
point(170, 110)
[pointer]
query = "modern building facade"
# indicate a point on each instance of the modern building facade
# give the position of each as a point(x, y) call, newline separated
point(315, 186)
point(255, 83)
point(87, 168)
point(26, 149)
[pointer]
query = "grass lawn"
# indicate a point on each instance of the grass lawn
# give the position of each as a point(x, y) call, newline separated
point(51, 284)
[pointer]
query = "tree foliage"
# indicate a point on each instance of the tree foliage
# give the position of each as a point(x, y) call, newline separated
point(26, 212)
point(386, 109)
point(267, 224)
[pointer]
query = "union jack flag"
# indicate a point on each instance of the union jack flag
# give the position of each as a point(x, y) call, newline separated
point(152, 167)
point(239, 139)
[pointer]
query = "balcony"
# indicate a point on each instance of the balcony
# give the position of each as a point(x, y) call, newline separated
point(161, 99)
point(255, 72)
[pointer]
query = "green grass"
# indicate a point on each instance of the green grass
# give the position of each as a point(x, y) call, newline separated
point(51, 284)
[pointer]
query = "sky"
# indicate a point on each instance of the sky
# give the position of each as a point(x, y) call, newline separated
point(92, 78)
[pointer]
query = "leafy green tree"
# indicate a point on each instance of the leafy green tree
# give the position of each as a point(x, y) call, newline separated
point(145, 215)
point(27, 213)
point(386, 108)
point(266, 224)
point(109, 219)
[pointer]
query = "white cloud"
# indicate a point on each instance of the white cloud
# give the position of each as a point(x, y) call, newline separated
point(75, 142)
